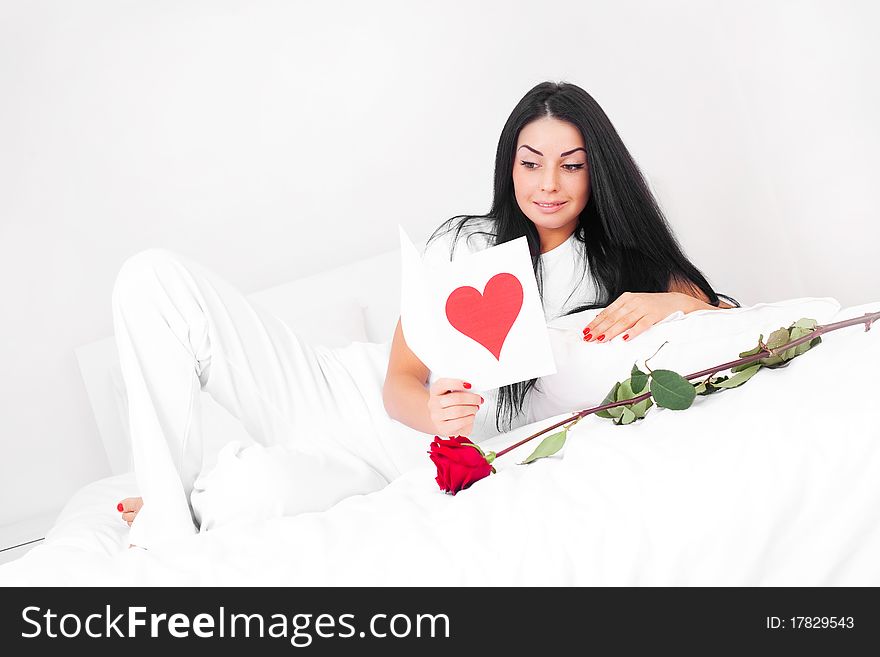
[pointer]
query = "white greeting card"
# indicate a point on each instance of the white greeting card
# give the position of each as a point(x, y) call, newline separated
point(479, 318)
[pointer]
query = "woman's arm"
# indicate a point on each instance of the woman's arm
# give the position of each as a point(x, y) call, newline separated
point(405, 394)
point(695, 293)
point(633, 313)
point(444, 409)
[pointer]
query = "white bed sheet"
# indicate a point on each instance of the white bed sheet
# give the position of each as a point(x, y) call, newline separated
point(773, 483)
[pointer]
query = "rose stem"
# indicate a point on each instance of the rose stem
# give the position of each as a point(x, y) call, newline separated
point(867, 319)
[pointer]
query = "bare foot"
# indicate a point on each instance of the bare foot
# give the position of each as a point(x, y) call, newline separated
point(129, 508)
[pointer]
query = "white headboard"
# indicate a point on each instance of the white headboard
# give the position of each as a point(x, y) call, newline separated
point(356, 302)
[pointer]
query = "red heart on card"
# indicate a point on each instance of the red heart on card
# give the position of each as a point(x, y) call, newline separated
point(488, 317)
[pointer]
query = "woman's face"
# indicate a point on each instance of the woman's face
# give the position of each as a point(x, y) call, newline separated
point(550, 167)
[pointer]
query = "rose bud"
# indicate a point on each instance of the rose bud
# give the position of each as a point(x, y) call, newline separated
point(459, 463)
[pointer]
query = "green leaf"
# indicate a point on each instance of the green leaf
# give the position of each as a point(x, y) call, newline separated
point(805, 322)
point(746, 354)
point(623, 413)
point(610, 397)
point(625, 391)
point(671, 390)
point(802, 348)
point(756, 350)
point(627, 417)
point(642, 407)
point(794, 334)
point(638, 380)
point(615, 412)
point(799, 332)
point(700, 388)
point(778, 338)
point(806, 346)
point(548, 447)
point(712, 385)
point(740, 378)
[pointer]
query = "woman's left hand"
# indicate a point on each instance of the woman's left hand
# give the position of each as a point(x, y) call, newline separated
point(633, 313)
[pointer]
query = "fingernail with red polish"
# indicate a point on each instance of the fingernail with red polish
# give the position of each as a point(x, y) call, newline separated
point(588, 337)
point(626, 337)
point(119, 507)
point(601, 337)
point(466, 384)
point(586, 330)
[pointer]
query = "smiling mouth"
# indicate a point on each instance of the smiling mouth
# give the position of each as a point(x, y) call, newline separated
point(549, 205)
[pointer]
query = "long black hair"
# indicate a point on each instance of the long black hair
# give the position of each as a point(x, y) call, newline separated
point(629, 245)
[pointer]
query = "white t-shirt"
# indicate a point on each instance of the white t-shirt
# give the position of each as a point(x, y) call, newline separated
point(567, 280)
point(567, 283)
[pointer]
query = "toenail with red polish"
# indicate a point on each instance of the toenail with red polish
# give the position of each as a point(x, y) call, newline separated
point(119, 507)
point(626, 337)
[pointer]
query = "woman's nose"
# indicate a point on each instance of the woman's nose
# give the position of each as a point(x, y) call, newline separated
point(548, 182)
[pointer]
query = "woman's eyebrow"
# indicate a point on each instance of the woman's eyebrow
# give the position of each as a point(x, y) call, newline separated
point(566, 153)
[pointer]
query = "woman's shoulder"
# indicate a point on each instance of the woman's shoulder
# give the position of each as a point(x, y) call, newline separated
point(458, 236)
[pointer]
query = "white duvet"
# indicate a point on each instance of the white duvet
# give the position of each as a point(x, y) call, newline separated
point(773, 483)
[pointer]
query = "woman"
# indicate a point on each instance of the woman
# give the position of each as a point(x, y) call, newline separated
point(563, 179)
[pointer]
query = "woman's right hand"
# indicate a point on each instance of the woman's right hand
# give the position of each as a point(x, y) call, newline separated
point(452, 407)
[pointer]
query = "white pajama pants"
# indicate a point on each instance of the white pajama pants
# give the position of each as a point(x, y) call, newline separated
point(315, 413)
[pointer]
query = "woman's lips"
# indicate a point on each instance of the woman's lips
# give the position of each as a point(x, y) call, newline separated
point(550, 209)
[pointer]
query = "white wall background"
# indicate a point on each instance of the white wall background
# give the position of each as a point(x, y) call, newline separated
point(270, 140)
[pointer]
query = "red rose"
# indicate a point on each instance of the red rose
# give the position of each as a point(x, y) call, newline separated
point(459, 463)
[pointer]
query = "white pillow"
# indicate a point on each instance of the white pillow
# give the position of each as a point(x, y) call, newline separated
point(857, 311)
point(586, 371)
point(317, 313)
point(89, 522)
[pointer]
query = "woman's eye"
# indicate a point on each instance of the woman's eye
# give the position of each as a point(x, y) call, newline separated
point(567, 167)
